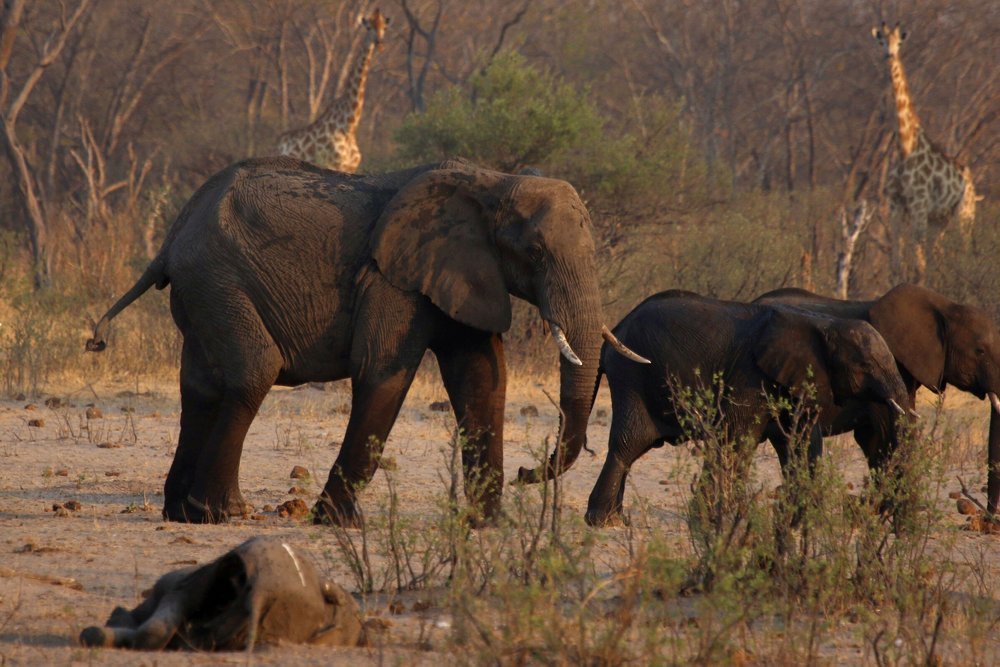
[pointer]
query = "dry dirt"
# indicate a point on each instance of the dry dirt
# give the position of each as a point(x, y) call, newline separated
point(64, 569)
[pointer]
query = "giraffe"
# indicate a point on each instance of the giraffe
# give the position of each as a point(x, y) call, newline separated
point(329, 140)
point(926, 185)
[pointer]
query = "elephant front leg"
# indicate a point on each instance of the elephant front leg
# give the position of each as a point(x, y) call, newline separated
point(375, 405)
point(475, 377)
point(606, 502)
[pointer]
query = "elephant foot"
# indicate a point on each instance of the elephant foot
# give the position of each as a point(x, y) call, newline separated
point(191, 510)
point(603, 519)
point(341, 513)
point(528, 476)
point(488, 517)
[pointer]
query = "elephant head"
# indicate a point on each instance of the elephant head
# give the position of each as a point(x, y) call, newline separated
point(469, 238)
point(939, 342)
point(842, 359)
point(261, 591)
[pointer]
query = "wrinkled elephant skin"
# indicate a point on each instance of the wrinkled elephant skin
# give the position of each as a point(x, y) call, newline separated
point(285, 273)
point(936, 342)
point(697, 342)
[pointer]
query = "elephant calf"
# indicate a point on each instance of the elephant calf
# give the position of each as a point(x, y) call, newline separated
point(936, 342)
point(752, 350)
point(261, 591)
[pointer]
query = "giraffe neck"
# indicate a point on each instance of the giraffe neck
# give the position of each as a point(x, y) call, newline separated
point(348, 107)
point(909, 125)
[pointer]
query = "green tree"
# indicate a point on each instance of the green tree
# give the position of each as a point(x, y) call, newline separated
point(515, 116)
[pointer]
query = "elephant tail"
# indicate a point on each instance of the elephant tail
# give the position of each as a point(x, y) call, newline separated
point(155, 274)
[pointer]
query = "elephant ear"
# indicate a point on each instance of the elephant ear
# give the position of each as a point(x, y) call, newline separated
point(914, 331)
point(435, 237)
point(791, 350)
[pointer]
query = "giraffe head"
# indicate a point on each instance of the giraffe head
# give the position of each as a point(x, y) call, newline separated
point(889, 39)
point(375, 24)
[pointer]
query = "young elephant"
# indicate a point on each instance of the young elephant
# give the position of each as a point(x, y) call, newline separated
point(936, 342)
point(751, 349)
point(261, 591)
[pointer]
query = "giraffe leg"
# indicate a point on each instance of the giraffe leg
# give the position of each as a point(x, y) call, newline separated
point(918, 217)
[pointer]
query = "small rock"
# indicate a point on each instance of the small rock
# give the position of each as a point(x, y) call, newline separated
point(94, 413)
point(30, 406)
point(267, 508)
point(422, 605)
point(529, 411)
point(61, 473)
point(378, 624)
point(37, 423)
point(72, 505)
point(664, 482)
point(112, 473)
point(966, 506)
point(257, 517)
point(440, 406)
point(62, 511)
point(955, 495)
point(53, 402)
point(293, 508)
point(296, 491)
point(300, 472)
point(109, 445)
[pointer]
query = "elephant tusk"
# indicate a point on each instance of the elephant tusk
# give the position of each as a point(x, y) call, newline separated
point(896, 407)
point(563, 344)
point(995, 401)
point(620, 346)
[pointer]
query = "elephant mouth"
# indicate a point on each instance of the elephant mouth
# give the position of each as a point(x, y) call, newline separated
point(567, 350)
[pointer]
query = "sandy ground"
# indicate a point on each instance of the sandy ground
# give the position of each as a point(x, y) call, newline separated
point(63, 570)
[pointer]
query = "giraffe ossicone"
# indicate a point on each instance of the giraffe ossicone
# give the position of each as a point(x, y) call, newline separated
point(330, 141)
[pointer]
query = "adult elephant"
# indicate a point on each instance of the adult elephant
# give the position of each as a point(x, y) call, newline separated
point(285, 273)
point(746, 352)
point(936, 342)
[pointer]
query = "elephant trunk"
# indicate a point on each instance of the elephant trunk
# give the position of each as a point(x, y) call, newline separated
point(993, 457)
point(577, 330)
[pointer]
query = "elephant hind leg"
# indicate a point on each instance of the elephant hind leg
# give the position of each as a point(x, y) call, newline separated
point(199, 409)
point(221, 391)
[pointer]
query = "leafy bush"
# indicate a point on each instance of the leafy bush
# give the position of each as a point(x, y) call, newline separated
point(515, 116)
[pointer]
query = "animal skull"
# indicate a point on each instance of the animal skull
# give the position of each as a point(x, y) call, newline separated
point(261, 591)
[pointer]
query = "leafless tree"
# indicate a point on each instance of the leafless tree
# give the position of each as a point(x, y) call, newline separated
point(13, 96)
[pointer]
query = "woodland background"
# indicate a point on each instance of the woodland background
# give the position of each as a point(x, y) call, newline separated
point(718, 145)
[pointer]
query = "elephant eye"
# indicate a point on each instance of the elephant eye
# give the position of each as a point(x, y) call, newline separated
point(536, 256)
point(980, 351)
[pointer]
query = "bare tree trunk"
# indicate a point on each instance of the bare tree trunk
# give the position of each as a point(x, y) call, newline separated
point(849, 233)
point(10, 24)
